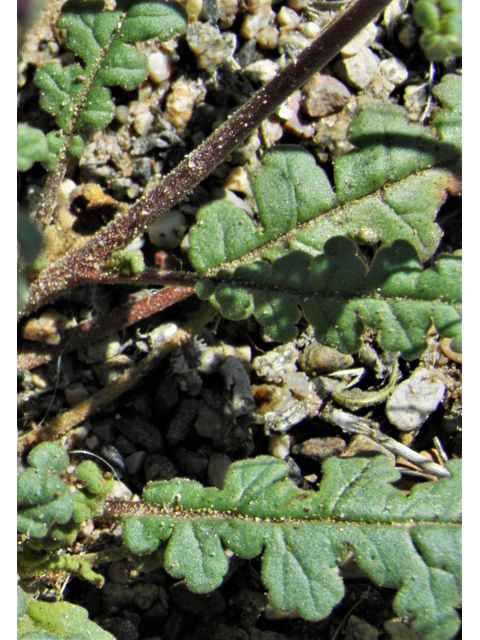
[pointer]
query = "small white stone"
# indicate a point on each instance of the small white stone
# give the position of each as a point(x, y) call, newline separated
point(143, 123)
point(415, 399)
point(310, 29)
point(363, 39)
point(288, 17)
point(159, 67)
point(122, 113)
point(262, 71)
point(168, 230)
point(279, 445)
point(119, 491)
point(359, 70)
point(65, 189)
point(394, 70)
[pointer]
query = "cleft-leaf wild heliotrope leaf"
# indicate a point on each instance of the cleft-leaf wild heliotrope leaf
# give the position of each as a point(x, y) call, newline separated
point(79, 96)
point(411, 544)
point(288, 259)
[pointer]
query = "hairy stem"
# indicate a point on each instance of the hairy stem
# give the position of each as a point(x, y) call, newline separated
point(65, 422)
point(31, 356)
point(70, 270)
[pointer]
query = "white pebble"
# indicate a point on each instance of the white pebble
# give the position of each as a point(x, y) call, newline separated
point(159, 67)
point(168, 230)
point(415, 399)
point(394, 70)
point(122, 113)
point(279, 445)
point(143, 123)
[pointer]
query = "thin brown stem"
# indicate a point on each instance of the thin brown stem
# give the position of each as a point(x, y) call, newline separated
point(69, 271)
point(65, 422)
point(31, 356)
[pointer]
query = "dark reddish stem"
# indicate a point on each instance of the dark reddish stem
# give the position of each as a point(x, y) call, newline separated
point(33, 356)
point(72, 269)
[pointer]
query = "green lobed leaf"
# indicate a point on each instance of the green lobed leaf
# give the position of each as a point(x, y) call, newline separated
point(55, 621)
point(442, 24)
point(340, 297)
point(411, 544)
point(384, 191)
point(78, 95)
point(31, 146)
point(47, 509)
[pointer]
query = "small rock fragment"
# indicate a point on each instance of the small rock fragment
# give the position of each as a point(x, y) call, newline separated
point(279, 445)
point(358, 628)
point(135, 461)
point(179, 104)
point(137, 428)
point(359, 70)
point(362, 444)
point(320, 448)
point(143, 123)
point(323, 95)
point(237, 383)
point(262, 71)
point(159, 66)
point(364, 38)
point(317, 358)
point(100, 350)
point(415, 399)
point(76, 393)
point(158, 467)
point(394, 71)
point(47, 329)
point(168, 230)
point(145, 594)
point(208, 45)
point(217, 469)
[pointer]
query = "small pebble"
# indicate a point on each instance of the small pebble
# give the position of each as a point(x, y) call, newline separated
point(217, 470)
point(323, 95)
point(134, 462)
point(179, 104)
point(168, 230)
point(298, 383)
point(137, 428)
point(143, 123)
point(208, 45)
point(287, 17)
point(262, 71)
point(317, 358)
point(415, 399)
point(364, 38)
point(267, 37)
point(320, 449)
point(76, 393)
point(394, 70)
point(182, 421)
point(359, 70)
point(358, 628)
point(361, 444)
point(210, 424)
point(100, 350)
point(237, 384)
point(47, 329)
point(158, 467)
point(279, 445)
point(145, 594)
point(159, 66)
point(122, 113)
